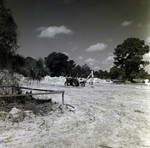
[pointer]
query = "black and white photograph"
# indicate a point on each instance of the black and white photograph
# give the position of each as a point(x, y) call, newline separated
point(74, 73)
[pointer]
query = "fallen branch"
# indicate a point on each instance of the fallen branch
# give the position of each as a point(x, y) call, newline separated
point(41, 127)
point(70, 105)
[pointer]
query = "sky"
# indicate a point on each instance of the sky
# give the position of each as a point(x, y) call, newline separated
point(87, 31)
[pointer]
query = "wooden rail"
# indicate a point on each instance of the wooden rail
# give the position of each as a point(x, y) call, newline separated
point(30, 94)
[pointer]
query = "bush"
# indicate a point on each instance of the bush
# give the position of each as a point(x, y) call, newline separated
point(8, 81)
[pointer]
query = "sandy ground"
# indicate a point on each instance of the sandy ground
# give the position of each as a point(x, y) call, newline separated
point(105, 115)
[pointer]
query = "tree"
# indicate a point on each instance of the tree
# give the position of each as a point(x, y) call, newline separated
point(8, 36)
point(114, 73)
point(77, 71)
point(128, 57)
point(30, 68)
point(85, 69)
point(18, 63)
point(70, 66)
point(56, 63)
point(8, 47)
point(40, 70)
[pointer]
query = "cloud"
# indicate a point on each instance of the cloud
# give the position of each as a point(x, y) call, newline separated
point(96, 68)
point(97, 47)
point(90, 60)
point(126, 23)
point(109, 59)
point(74, 49)
point(52, 31)
point(147, 68)
point(147, 40)
point(65, 53)
point(110, 54)
point(107, 69)
point(91, 64)
point(146, 57)
point(80, 58)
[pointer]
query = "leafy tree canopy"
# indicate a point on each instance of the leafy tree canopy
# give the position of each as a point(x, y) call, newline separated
point(77, 71)
point(128, 57)
point(8, 36)
point(85, 69)
point(70, 67)
point(58, 63)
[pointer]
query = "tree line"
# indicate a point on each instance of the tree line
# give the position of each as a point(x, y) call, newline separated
point(59, 64)
point(55, 64)
point(128, 57)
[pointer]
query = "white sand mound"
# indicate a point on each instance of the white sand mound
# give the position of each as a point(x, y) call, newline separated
point(53, 80)
point(97, 80)
point(147, 82)
point(57, 80)
point(15, 115)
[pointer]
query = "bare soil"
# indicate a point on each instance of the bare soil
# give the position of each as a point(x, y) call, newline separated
point(96, 116)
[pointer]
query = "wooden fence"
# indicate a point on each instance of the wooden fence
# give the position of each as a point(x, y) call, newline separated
point(30, 94)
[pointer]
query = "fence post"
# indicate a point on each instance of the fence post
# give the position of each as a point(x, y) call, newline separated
point(63, 99)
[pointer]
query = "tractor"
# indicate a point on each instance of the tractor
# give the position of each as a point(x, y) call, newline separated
point(74, 82)
point(70, 81)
